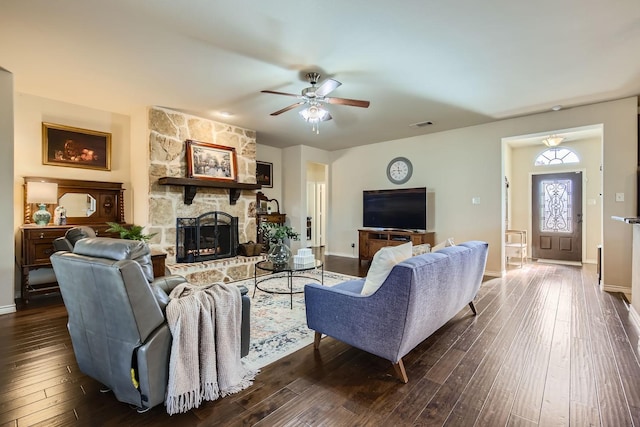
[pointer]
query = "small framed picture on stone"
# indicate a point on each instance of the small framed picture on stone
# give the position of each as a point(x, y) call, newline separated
point(264, 174)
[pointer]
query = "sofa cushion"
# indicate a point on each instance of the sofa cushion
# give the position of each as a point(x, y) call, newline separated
point(383, 261)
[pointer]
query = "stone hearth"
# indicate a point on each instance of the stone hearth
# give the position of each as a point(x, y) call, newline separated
point(219, 270)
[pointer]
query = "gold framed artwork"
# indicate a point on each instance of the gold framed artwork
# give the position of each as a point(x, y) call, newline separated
point(75, 147)
point(211, 161)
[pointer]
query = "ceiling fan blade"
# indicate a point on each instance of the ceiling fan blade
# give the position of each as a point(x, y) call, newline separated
point(326, 87)
point(285, 109)
point(279, 93)
point(347, 101)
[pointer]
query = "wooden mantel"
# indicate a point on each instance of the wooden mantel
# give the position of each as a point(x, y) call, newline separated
point(191, 186)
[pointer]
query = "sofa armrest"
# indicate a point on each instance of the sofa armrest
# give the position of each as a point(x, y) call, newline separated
point(374, 323)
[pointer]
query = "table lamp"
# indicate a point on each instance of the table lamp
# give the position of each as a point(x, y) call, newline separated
point(42, 193)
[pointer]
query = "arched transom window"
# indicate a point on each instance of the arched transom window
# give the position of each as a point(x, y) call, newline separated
point(557, 156)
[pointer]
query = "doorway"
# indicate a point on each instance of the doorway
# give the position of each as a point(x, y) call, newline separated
point(316, 204)
point(556, 216)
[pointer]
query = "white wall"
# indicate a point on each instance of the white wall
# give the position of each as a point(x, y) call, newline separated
point(468, 162)
point(589, 151)
point(7, 230)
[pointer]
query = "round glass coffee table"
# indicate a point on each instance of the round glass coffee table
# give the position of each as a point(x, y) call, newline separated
point(289, 271)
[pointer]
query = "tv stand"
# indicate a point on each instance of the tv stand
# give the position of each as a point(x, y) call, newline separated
point(371, 240)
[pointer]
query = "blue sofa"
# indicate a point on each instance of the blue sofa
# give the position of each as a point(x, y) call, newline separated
point(420, 295)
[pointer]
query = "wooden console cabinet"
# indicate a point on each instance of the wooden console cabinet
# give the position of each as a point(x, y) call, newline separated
point(371, 241)
point(37, 247)
point(106, 205)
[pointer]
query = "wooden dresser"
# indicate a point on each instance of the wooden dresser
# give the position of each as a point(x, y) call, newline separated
point(372, 240)
point(90, 203)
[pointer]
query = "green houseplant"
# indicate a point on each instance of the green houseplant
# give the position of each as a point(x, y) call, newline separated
point(273, 232)
point(279, 252)
point(132, 233)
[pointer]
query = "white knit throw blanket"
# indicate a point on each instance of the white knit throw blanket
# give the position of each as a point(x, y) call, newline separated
point(205, 353)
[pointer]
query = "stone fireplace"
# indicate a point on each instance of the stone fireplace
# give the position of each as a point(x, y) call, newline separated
point(213, 235)
point(168, 131)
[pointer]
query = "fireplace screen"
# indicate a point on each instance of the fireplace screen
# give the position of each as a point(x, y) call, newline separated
point(213, 235)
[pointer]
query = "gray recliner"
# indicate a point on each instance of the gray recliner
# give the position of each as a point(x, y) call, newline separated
point(117, 317)
point(68, 241)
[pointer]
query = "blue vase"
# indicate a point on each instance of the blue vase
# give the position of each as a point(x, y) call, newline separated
point(42, 216)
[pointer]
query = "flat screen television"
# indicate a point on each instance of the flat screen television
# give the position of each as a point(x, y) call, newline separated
point(405, 209)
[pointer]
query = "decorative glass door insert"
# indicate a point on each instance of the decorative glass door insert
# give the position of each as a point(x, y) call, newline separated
point(556, 208)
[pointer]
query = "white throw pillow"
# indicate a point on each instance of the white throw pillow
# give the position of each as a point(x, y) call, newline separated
point(381, 265)
point(441, 245)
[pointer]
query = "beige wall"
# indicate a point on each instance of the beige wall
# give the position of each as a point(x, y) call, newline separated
point(589, 151)
point(7, 231)
point(29, 113)
point(465, 163)
point(457, 165)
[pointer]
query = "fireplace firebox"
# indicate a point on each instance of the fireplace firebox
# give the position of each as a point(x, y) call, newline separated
point(213, 235)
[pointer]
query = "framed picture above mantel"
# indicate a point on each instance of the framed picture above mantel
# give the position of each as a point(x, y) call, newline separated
point(75, 147)
point(211, 162)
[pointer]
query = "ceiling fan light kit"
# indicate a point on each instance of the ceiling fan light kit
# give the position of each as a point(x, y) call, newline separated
point(313, 97)
point(315, 114)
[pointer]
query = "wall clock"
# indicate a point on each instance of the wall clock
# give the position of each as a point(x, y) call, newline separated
point(399, 170)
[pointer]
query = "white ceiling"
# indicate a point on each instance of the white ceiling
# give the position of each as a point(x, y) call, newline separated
point(455, 63)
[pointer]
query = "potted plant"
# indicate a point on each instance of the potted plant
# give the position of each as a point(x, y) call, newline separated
point(132, 233)
point(274, 234)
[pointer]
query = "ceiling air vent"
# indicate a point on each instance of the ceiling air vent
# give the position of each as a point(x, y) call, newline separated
point(421, 124)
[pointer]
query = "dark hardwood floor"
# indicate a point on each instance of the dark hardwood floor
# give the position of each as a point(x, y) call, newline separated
point(547, 348)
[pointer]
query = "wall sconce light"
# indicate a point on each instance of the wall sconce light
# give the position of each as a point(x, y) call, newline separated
point(42, 193)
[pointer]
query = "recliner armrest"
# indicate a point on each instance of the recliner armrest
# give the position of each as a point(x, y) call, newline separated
point(162, 287)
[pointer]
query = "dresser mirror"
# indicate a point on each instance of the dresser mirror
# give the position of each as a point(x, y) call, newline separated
point(78, 204)
point(85, 202)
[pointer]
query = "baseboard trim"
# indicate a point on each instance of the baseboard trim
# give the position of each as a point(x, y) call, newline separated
point(635, 317)
point(7, 309)
point(615, 288)
point(491, 273)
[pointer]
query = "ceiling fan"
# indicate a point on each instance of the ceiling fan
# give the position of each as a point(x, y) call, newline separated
point(314, 96)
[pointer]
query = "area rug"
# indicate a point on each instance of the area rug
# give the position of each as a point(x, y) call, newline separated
point(277, 329)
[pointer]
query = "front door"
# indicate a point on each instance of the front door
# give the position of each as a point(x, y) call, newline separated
point(557, 216)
